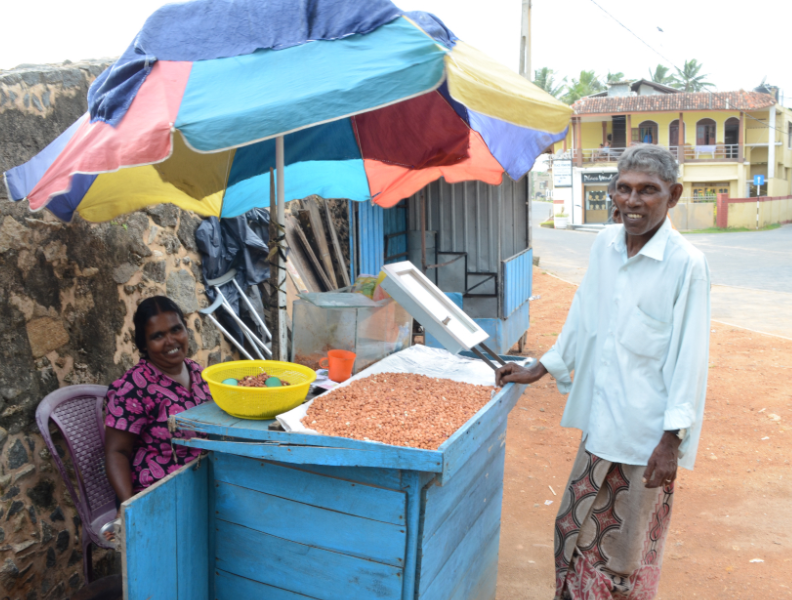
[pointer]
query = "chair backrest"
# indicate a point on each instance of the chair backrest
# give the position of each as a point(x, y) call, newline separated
point(78, 411)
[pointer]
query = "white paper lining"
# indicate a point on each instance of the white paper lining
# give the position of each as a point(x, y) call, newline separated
point(420, 360)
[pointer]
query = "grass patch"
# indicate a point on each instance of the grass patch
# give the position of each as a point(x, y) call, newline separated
point(731, 229)
point(549, 224)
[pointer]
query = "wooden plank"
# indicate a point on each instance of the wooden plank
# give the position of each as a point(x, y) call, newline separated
point(292, 223)
point(212, 416)
point(149, 559)
point(303, 569)
point(441, 500)
point(192, 531)
point(209, 418)
point(463, 444)
point(339, 495)
point(299, 258)
point(437, 549)
point(233, 587)
point(336, 245)
point(411, 481)
point(312, 525)
point(296, 277)
point(481, 580)
point(311, 220)
point(459, 568)
point(386, 478)
point(389, 457)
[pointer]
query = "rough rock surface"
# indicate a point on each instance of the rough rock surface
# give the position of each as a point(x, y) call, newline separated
point(67, 296)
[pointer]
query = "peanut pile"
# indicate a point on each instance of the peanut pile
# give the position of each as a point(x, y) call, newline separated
point(400, 409)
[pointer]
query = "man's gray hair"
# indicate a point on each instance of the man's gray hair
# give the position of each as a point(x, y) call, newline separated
point(648, 158)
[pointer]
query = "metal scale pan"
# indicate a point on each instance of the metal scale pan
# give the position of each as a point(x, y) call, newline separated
point(452, 327)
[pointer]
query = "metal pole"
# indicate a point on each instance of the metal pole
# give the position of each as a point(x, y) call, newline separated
point(423, 233)
point(280, 330)
point(525, 41)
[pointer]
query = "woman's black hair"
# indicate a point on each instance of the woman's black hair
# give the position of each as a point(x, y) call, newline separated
point(151, 307)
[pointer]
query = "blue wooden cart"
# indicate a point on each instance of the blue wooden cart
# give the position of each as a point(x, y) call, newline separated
point(287, 516)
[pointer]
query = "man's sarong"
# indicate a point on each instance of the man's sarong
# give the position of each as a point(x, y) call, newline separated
point(610, 532)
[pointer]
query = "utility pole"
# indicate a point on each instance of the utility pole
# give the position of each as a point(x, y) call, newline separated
point(525, 41)
point(525, 71)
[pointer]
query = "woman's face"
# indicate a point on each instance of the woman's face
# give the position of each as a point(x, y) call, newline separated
point(166, 340)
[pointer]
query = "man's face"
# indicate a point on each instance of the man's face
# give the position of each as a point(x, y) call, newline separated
point(643, 200)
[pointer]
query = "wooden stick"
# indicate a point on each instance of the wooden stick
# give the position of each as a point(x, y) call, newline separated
point(336, 246)
point(311, 219)
point(309, 251)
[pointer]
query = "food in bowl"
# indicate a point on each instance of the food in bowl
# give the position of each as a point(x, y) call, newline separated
point(261, 380)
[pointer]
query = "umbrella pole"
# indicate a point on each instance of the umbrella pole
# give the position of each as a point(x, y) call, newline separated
point(423, 234)
point(280, 334)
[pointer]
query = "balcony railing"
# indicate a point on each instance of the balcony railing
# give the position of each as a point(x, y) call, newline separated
point(692, 153)
point(709, 151)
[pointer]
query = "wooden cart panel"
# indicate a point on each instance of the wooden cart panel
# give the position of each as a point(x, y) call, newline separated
point(166, 533)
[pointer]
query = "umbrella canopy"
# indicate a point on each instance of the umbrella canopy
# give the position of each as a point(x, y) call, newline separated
point(374, 103)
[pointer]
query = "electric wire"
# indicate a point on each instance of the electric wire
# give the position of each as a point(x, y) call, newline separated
point(667, 59)
point(639, 38)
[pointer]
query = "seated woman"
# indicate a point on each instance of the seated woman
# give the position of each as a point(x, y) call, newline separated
point(165, 382)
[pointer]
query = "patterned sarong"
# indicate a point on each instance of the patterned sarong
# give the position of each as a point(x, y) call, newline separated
point(610, 532)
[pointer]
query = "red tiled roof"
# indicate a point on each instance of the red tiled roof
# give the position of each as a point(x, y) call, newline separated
point(741, 100)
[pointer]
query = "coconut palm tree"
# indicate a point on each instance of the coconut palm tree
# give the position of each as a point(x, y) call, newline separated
point(614, 77)
point(661, 75)
point(688, 79)
point(545, 79)
point(585, 85)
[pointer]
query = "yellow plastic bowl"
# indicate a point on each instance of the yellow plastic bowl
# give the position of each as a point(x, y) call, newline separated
point(258, 403)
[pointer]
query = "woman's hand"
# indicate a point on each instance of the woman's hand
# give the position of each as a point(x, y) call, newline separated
point(109, 535)
point(514, 373)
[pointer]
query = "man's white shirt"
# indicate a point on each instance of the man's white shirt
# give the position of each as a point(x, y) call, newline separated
point(637, 339)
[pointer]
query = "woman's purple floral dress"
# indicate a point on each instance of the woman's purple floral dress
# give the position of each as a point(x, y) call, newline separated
point(141, 402)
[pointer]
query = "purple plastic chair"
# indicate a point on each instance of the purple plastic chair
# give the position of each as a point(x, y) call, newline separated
point(78, 411)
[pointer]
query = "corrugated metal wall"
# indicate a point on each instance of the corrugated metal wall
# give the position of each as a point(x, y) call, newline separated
point(488, 223)
point(517, 281)
point(370, 238)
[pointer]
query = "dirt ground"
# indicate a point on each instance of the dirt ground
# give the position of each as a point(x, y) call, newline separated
point(735, 507)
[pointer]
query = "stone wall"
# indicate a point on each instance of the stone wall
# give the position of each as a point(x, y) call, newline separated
point(67, 296)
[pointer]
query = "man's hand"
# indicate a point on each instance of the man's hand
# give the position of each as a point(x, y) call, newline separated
point(662, 467)
point(514, 373)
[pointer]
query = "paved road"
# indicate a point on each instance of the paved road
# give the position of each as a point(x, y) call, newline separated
point(751, 272)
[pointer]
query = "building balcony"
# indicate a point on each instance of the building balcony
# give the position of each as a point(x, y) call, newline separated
point(692, 153)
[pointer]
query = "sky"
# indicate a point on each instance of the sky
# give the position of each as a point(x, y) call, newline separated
point(738, 45)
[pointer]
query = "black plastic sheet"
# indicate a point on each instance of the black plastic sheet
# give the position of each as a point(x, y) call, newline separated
point(239, 243)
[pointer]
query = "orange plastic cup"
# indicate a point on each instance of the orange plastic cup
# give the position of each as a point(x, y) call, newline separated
point(340, 364)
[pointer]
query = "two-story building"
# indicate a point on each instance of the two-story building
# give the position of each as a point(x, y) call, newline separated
point(721, 140)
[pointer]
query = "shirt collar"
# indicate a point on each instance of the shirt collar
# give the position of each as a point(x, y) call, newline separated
point(654, 248)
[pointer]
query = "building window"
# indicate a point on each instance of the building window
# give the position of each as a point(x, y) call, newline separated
point(705, 132)
point(645, 133)
point(708, 192)
point(789, 135)
point(731, 130)
point(673, 133)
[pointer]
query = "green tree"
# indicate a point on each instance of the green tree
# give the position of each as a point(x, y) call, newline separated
point(661, 75)
point(614, 77)
point(545, 79)
point(688, 79)
point(585, 85)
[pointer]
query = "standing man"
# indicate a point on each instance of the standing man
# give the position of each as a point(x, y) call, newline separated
point(637, 339)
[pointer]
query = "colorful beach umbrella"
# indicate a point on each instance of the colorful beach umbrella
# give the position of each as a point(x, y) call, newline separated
point(373, 103)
